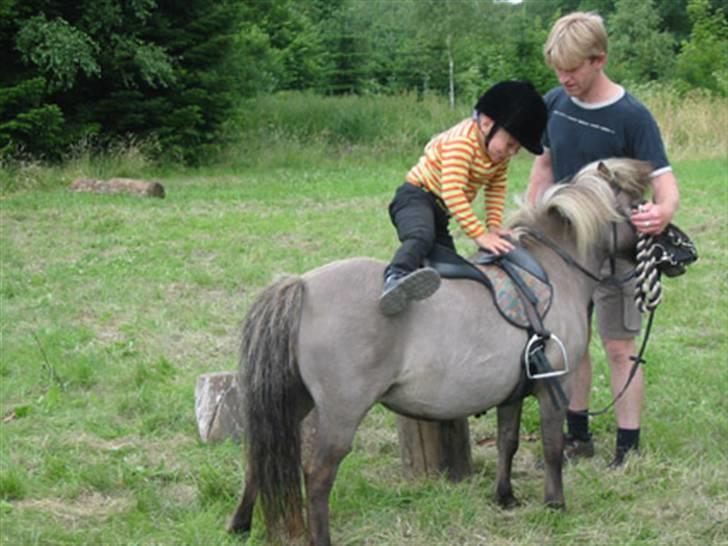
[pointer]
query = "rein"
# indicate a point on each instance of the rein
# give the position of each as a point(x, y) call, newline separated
point(569, 260)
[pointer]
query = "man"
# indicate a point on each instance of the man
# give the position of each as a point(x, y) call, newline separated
point(591, 118)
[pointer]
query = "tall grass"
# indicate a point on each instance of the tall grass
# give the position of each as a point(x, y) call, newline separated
point(297, 129)
point(693, 124)
point(127, 157)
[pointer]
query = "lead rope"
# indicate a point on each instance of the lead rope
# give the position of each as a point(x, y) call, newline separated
point(649, 288)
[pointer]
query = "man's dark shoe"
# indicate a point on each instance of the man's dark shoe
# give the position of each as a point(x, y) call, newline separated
point(575, 448)
point(621, 456)
point(400, 288)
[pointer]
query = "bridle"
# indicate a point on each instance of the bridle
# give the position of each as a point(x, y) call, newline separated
point(611, 279)
point(541, 237)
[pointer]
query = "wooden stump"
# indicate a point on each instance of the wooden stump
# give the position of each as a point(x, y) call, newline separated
point(119, 185)
point(219, 407)
point(430, 448)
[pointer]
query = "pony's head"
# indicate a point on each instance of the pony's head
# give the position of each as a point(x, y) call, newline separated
point(599, 194)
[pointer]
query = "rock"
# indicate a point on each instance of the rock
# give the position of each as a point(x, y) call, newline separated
point(219, 407)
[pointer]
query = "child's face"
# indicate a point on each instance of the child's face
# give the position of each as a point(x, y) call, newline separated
point(502, 146)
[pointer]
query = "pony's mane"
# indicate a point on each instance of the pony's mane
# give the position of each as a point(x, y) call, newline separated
point(587, 202)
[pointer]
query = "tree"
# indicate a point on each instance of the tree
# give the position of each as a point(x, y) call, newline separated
point(638, 50)
point(142, 67)
point(702, 58)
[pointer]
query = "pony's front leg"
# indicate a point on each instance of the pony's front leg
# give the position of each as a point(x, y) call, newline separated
point(509, 424)
point(552, 438)
point(242, 518)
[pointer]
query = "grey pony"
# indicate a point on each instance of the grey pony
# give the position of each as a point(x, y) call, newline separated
point(317, 344)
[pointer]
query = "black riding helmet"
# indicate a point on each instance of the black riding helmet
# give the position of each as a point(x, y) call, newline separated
point(518, 108)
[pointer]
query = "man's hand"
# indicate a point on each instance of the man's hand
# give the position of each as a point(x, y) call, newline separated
point(650, 218)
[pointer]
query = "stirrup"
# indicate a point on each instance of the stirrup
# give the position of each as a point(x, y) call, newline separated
point(543, 375)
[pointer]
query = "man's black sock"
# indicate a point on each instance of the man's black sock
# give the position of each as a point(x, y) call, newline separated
point(628, 439)
point(577, 424)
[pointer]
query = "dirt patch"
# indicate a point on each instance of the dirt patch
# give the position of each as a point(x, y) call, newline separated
point(90, 505)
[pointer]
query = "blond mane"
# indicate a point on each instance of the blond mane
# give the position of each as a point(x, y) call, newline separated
point(587, 203)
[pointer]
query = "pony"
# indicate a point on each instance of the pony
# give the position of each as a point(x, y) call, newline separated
point(317, 345)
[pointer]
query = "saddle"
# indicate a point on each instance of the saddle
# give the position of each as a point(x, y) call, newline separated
point(509, 278)
point(522, 293)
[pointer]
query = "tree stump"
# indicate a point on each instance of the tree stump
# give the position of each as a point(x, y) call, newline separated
point(119, 185)
point(219, 407)
point(429, 448)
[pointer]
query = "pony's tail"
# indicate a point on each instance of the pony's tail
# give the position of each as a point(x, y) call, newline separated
point(274, 393)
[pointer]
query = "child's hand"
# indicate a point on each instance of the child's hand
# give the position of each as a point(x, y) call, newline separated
point(492, 242)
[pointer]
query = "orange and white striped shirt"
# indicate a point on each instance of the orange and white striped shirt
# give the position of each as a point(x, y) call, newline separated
point(454, 167)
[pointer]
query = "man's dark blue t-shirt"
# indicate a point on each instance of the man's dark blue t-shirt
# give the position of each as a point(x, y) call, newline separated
point(578, 133)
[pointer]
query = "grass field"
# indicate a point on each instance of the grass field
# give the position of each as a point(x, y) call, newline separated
point(112, 306)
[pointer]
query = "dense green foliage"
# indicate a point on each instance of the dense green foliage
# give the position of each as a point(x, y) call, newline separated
point(109, 69)
point(173, 74)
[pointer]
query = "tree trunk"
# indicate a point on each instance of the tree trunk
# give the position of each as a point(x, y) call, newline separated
point(119, 185)
point(430, 448)
point(451, 71)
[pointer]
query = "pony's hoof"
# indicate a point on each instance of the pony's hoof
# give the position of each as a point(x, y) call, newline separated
point(556, 505)
point(237, 528)
point(507, 502)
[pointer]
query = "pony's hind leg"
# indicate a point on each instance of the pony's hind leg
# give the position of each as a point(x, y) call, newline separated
point(242, 518)
point(328, 444)
point(509, 422)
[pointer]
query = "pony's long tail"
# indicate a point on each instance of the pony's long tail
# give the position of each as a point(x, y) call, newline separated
point(274, 393)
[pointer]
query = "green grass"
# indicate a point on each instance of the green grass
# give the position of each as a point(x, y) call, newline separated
point(112, 306)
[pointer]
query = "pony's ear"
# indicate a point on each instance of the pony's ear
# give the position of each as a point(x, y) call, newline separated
point(604, 170)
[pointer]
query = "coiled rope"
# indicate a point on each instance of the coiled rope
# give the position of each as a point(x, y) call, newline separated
point(649, 287)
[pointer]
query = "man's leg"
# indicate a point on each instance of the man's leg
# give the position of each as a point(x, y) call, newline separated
point(629, 407)
point(578, 442)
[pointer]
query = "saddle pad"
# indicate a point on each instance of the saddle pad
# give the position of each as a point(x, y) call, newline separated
point(506, 295)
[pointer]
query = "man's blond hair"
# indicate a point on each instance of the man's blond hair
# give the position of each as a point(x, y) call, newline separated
point(575, 38)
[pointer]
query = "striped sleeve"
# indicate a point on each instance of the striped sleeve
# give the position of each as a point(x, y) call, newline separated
point(457, 156)
point(495, 197)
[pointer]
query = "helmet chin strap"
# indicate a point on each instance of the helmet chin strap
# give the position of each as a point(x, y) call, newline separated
point(490, 135)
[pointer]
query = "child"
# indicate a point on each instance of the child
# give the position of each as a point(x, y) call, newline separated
point(471, 155)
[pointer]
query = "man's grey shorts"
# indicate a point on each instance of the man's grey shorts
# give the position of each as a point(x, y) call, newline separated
point(614, 307)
